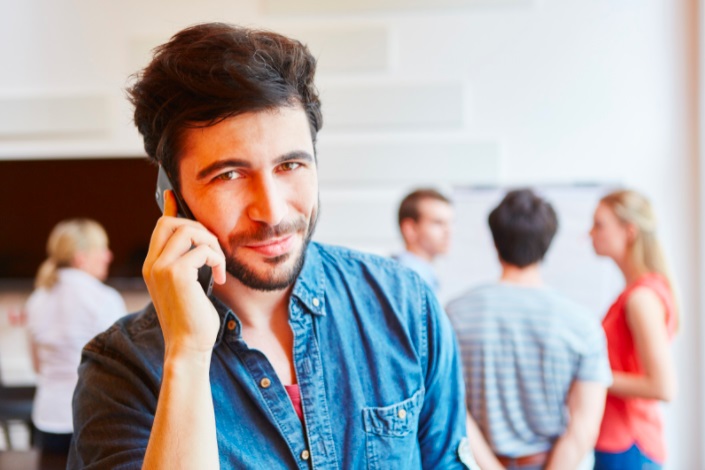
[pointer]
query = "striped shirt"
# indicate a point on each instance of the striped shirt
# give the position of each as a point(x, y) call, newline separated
point(522, 348)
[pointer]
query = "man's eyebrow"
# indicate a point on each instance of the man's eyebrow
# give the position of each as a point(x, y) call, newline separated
point(238, 163)
point(220, 164)
point(295, 155)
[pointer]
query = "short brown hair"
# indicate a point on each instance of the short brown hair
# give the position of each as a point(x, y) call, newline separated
point(213, 71)
point(409, 207)
point(523, 226)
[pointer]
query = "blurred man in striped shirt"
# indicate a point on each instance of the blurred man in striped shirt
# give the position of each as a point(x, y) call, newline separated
point(535, 363)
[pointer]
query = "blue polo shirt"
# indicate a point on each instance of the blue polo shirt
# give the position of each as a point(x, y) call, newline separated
point(376, 361)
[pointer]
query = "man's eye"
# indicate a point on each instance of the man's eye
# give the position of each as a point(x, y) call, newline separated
point(289, 166)
point(227, 176)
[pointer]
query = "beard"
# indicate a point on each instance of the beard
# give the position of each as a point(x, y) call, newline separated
point(278, 277)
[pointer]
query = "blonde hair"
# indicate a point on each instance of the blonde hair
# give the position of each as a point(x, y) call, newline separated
point(645, 252)
point(65, 240)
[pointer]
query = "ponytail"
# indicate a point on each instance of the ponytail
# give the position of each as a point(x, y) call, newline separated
point(47, 275)
point(65, 240)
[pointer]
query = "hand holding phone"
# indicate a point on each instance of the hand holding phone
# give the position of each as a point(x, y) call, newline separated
point(205, 273)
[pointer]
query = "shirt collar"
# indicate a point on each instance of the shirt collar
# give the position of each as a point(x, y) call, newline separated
point(309, 289)
point(226, 316)
point(73, 273)
point(310, 286)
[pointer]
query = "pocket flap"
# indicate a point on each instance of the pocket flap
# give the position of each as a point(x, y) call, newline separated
point(395, 420)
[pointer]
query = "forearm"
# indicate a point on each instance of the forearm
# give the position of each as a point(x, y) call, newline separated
point(586, 404)
point(570, 449)
point(642, 386)
point(480, 448)
point(183, 434)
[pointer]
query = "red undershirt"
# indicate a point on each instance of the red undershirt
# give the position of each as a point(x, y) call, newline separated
point(295, 396)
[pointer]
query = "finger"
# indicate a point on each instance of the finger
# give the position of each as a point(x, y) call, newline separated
point(166, 227)
point(184, 238)
point(185, 268)
point(205, 256)
point(209, 251)
point(219, 271)
point(171, 207)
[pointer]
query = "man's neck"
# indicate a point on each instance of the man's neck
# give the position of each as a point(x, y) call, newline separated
point(420, 253)
point(265, 323)
point(256, 309)
point(529, 276)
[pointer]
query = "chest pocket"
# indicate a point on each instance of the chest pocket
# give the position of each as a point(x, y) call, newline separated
point(391, 433)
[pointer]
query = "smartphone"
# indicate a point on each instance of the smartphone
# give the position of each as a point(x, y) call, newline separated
point(205, 273)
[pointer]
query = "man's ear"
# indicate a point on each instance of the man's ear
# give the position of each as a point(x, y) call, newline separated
point(408, 230)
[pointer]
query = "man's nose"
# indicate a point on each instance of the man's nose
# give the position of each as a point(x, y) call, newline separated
point(268, 204)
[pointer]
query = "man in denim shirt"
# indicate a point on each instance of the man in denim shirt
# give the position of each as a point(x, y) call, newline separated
point(305, 356)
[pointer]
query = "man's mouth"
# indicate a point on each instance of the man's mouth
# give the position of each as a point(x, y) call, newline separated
point(273, 246)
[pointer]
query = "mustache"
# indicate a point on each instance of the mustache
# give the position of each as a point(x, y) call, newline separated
point(264, 232)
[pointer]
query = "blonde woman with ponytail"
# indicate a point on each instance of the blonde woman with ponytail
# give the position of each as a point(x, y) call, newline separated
point(68, 308)
point(639, 327)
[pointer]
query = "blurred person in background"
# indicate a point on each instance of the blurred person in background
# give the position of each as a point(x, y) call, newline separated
point(639, 327)
point(536, 368)
point(69, 306)
point(425, 223)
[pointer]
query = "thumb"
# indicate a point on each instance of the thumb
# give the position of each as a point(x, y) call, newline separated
point(170, 205)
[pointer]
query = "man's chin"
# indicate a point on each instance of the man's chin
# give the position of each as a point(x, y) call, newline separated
point(277, 260)
point(264, 273)
point(268, 274)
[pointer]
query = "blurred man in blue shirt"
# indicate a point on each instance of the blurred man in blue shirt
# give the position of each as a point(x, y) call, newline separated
point(425, 223)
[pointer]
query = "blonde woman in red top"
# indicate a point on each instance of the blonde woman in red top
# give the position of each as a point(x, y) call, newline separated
point(639, 327)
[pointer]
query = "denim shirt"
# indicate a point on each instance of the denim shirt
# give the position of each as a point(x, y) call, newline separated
point(376, 361)
point(422, 267)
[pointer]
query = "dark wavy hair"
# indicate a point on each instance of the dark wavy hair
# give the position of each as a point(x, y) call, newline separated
point(523, 226)
point(210, 72)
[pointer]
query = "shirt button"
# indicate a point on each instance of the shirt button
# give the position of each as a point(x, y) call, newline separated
point(265, 382)
point(305, 455)
point(401, 414)
point(231, 325)
point(316, 302)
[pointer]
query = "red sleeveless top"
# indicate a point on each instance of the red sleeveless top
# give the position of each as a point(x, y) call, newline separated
point(630, 421)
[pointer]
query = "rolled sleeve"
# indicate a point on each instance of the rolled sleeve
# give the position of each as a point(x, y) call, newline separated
point(594, 364)
point(442, 435)
point(113, 407)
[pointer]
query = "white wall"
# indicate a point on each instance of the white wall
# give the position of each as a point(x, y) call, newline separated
point(536, 91)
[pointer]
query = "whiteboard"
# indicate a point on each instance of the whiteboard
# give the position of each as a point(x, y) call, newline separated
point(570, 266)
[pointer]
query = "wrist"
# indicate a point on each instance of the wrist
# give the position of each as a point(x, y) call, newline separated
point(177, 359)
